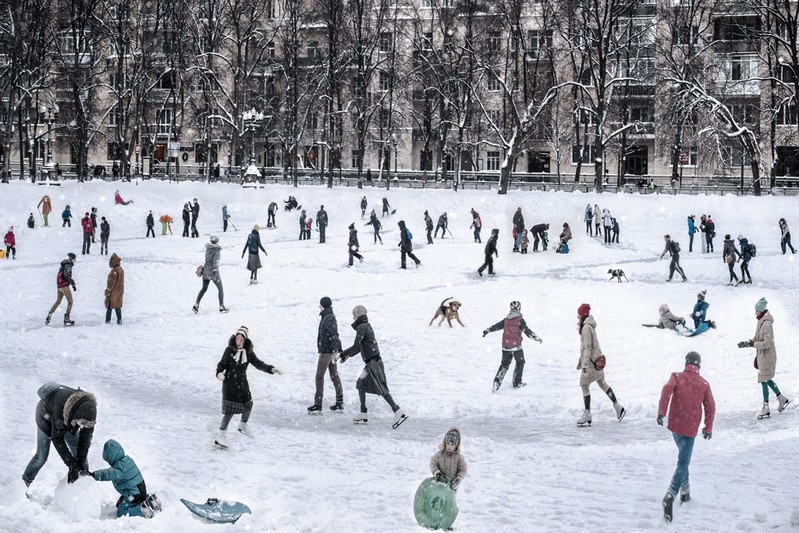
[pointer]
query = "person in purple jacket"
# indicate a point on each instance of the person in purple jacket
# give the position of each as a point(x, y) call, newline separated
point(683, 397)
point(512, 327)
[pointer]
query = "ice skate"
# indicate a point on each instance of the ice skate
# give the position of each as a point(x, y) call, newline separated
point(154, 503)
point(620, 411)
point(585, 420)
point(495, 386)
point(146, 512)
point(338, 406)
point(764, 412)
point(783, 403)
point(244, 429)
point(47, 320)
point(361, 418)
point(67, 321)
point(668, 507)
point(195, 308)
point(223, 309)
point(221, 440)
point(399, 418)
point(520, 385)
point(315, 410)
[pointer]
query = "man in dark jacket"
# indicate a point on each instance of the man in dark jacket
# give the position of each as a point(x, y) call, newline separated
point(63, 282)
point(674, 249)
point(385, 206)
point(442, 225)
point(428, 224)
point(186, 218)
point(490, 252)
point(270, 221)
point(302, 225)
point(321, 223)
point(538, 234)
point(512, 328)
point(195, 214)
point(405, 245)
point(373, 377)
point(65, 417)
point(364, 204)
point(93, 216)
point(105, 233)
point(327, 344)
point(710, 233)
point(518, 225)
point(150, 225)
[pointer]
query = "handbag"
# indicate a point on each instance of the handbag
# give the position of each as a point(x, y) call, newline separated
point(600, 362)
point(729, 259)
point(199, 271)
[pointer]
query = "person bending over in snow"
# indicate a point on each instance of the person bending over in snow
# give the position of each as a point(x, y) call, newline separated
point(128, 482)
point(232, 372)
point(668, 320)
point(448, 464)
point(512, 327)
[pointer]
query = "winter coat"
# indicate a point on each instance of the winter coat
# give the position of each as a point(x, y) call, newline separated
point(225, 216)
point(253, 243)
point(123, 473)
point(442, 221)
point(597, 214)
point(512, 327)
point(272, 207)
point(86, 223)
point(539, 228)
point(45, 204)
point(766, 349)
point(364, 203)
point(589, 214)
point(518, 221)
point(477, 222)
point(105, 230)
point(115, 286)
point(406, 245)
point(31, 222)
point(195, 211)
point(150, 221)
point(364, 343)
point(186, 215)
point(615, 225)
point(607, 219)
point(566, 234)
point(327, 340)
point(64, 277)
point(353, 240)
point(589, 351)
point(93, 216)
point(710, 227)
point(66, 214)
point(670, 249)
point(683, 396)
point(453, 465)
point(491, 246)
point(525, 241)
point(233, 365)
point(10, 239)
point(669, 320)
point(428, 222)
point(730, 250)
point(746, 251)
point(321, 218)
point(785, 229)
point(691, 226)
point(375, 222)
point(213, 253)
point(699, 313)
point(58, 408)
point(302, 220)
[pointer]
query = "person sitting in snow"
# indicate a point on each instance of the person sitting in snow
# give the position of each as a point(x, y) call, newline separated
point(128, 482)
point(699, 314)
point(668, 320)
point(565, 236)
point(31, 221)
point(448, 464)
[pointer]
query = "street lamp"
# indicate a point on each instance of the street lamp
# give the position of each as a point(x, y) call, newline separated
point(252, 119)
point(50, 116)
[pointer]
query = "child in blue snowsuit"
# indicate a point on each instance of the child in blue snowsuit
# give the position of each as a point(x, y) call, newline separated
point(699, 313)
point(128, 482)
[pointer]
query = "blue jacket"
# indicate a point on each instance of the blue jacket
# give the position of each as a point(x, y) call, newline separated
point(254, 243)
point(67, 213)
point(745, 251)
point(225, 216)
point(691, 226)
point(123, 473)
point(700, 312)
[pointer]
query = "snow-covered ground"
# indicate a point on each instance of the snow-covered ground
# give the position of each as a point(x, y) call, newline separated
point(530, 467)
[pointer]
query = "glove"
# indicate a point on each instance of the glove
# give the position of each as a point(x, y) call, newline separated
point(746, 344)
point(585, 371)
point(337, 358)
point(485, 332)
point(86, 473)
point(682, 321)
point(539, 340)
point(454, 484)
point(707, 435)
point(660, 420)
point(215, 272)
point(439, 476)
point(221, 376)
point(74, 288)
point(74, 472)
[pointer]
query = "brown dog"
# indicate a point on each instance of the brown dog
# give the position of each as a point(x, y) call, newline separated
point(448, 311)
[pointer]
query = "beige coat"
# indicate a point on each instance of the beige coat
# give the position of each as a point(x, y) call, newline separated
point(766, 349)
point(589, 351)
point(115, 286)
point(453, 465)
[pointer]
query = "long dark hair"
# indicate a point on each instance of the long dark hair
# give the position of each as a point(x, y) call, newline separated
point(582, 322)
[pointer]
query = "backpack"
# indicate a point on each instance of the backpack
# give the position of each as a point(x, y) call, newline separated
point(409, 234)
point(675, 247)
point(752, 249)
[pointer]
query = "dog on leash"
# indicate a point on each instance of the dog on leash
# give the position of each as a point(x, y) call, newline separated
point(448, 312)
point(617, 274)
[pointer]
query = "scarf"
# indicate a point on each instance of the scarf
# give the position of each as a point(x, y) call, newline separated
point(241, 356)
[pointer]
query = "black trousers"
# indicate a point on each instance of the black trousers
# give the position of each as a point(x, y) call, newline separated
point(87, 243)
point(149, 231)
point(518, 355)
point(322, 233)
point(270, 221)
point(409, 253)
point(429, 235)
point(489, 263)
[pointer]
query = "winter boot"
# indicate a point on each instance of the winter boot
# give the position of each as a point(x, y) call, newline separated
point(338, 406)
point(783, 403)
point(585, 420)
point(668, 507)
point(399, 418)
point(620, 411)
point(764, 412)
point(67, 321)
point(47, 320)
point(221, 440)
point(315, 409)
point(361, 418)
point(520, 385)
point(244, 429)
point(154, 503)
point(685, 497)
point(146, 512)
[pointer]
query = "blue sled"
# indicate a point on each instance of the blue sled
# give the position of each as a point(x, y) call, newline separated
point(685, 331)
point(218, 511)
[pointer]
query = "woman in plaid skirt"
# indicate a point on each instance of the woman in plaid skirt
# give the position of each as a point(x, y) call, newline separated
point(232, 372)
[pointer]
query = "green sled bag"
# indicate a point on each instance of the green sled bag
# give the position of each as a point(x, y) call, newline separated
point(434, 504)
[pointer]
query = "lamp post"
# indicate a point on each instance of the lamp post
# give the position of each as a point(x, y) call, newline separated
point(395, 144)
point(50, 116)
point(252, 119)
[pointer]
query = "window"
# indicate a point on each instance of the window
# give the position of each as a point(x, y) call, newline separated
point(426, 160)
point(786, 115)
point(539, 39)
point(585, 116)
point(270, 49)
point(786, 74)
point(313, 49)
point(118, 83)
point(734, 28)
point(743, 68)
point(385, 42)
point(356, 159)
point(735, 157)
point(426, 3)
point(385, 117)
point(643, 70)
point(312, 122)
point(427, 42)
point(642, 114)
point(114, 116)
point(642, 32)
point(269, 9)
point(689, 156)
point(493, 82)
point(744, 114)
point(495, 116)
point(164, 119)
point(589, 154)
point(492, 160)
point(385, 81)
point(494, 42)
point(685, 34)
point(167, 80)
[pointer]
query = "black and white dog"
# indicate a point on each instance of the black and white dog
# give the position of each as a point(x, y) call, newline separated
point(617, 274)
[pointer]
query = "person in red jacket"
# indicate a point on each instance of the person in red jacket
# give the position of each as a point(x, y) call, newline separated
point(88, 231)
point(11, 243)
point(512, 327)
point(683, 397)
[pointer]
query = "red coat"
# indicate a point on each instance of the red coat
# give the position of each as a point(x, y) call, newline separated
point(10, 239)
point(88, 227)
point(688, 392)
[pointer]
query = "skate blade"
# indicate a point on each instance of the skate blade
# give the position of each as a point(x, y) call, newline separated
point(314, 413)
point(220, 446)
point(763, 417)
point(399, 422)
point(583, 424)
point(622, 414)
point(360, 422)
point(781, 409)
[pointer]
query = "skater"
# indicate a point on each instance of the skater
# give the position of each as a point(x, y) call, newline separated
point(63, 282)
point(691, 230)
point(385, 206)
point(406, 245)
point(785, 241)
point(477, 225)
point(195, 214)
point(328, 344)
point(512, 327)
point(65, 417)
point(31, 222)
point(607, 223)
point(353, 245)
point(166, 224)
point(441, 225)
point(746, 256)
point(565, 236)
point(518, 227)
point(710, 233)
point(210, 272)
point(668, 320)
point(673, 248)
point(114, 289)
point(186, 218)
point(591, 366)
point(232, 372)
point(699, 313)
point(448, 464)
point(150, 225)
point(225, 218)
point(684, 397)
point(729, 254)
point(538, 234)
point(589, 217)
point(105, 232)
point(128, 482)
point(373, 377)
point(308, 225)
point(428, 224)
point(364, 205)
point(86, 224)
point(597, 221)
point(321, 224)
point(93, 216)
point(11, 243)
point(302, 225)
point(525, 242)
point(118, 199)
point(252, 245)
point(46, 208)
point(271, 211)
point(765, 358)
point(376, 226)
point(490, 251)
point(615, 228)
point(66, 217)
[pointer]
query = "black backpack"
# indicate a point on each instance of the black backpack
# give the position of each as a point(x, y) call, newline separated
point(752, 249)
point(675, 247)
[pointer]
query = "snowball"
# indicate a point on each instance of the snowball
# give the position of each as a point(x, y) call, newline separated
point(81, 500)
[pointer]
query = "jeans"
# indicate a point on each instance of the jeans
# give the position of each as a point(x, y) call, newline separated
point(786, 242)
point(588, 227)
point(43, 451)
point(477, 235)
point(518, 241)
point(87, 243)
point(690, 242)
point(270, 220)
point(537, 237)
point(218, 283)
point(679, 481)
point(325, 364)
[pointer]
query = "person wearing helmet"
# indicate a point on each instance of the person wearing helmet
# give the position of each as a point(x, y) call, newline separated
point(683, 398)
point(512, 327)
point(490, 251)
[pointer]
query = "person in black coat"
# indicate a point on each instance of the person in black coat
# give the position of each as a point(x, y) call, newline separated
point(232, 372)
point(328, 343)
point(405, 245)
point(252, 246)
point(428, 223)
point(195, 214)
point(65, 417)
point(442, 225)
point(538, 234)
point(518, 225)
point(186, 218)
point(373, 377)
point(364, 204)
point(93, 217)
point(302, 225)
point(490, 252)
point(385, 206)
point(150, 225)
point(321, 223)
point(376, 226)
point(353, 245)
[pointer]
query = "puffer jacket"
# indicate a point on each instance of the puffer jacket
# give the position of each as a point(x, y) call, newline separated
point(453, 465)
point(365, 342)
point(746, 252)
point(699, 313)
point(115, 286)
point(213, 253)
point(730, 250)
point(766, 349)
point(327, 340)
point(512, 327)
point(86, 223)
point(123, 473)
point(589, 351)
point(683, 397)
point(669, 320)
point(10, 239)
point(233, 366)
point(491, 246)
point(59, 406)
point(566, 234)
point(64, 276)
point(353, 240)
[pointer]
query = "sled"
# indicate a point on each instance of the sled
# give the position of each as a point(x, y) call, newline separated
point(217, 511)
point(685, 331)
point(651, 325)
point(434, 504)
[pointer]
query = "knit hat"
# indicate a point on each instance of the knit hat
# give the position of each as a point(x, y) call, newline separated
point(352, 226)
point(727, 236)
point(495, 231)
point(87, 213)
point(256, 227)
point(515, 305)
point(214, 239)
point(358, 311)
point(583, 310)
point(72, 256)
point(761, 305)
point(326, 302)
point(701, 295)
point(244, 331)
point(693, 358)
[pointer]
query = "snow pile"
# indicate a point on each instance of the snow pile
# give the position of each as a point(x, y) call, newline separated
point(81, 500)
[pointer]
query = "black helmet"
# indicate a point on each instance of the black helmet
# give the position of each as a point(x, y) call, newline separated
point(693, 358)
point(72, 256)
